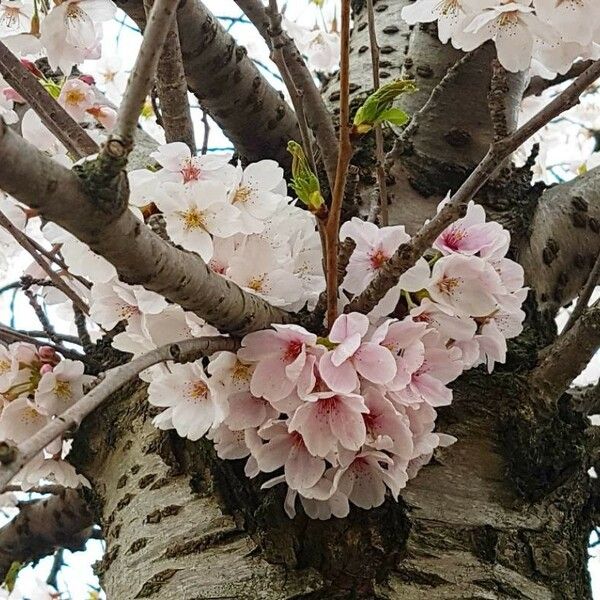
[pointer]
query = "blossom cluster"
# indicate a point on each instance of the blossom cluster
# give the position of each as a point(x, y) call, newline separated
point(349, 416)
point(36, 385)
point(544, 35)
point(342, 418)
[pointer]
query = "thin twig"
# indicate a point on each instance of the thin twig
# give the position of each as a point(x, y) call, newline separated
point(379, 149)
point(171, 86)
point(51, 488)
point(10, 335)
point(75, 139)
point(62, 337)
point(14, 458)
point(408, 254)
point(141, 77)
point(344, 156)
point(205, 132)
point(42, 317)
point(83, 336)
point(317, 114)
point(25, 242)
point(584, 295)
point(57, 564)
point(567, 356)
point(53, 256)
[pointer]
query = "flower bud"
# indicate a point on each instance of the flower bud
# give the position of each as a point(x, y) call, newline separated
point(46, 368)
point(304, 182)
point(48, 355)
point(377, 108)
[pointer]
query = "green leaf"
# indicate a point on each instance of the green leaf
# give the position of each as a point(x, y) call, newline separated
point(377, 108)
point(394, 116)
point(11, 576)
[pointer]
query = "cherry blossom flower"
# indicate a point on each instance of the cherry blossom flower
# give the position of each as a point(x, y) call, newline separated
point(284, 449)
point(467, 284)
point(363, 481)
point(472, 235)
point(451, 15)
point(440, 366)
point(20, 419)
point(577, 20)
point(513, 26)
point(15, 17)
point(76, 97)
point(187, 391)
point(70, 30)
point(181, 167)
point(193, 213)
point(281, 356)
point(114, 301)
point(387, 429)
point(330, 421)
point(257, 192)
point(60, 388)
point(321, 48)
point(403, 339)
point(374, 246)
point(52, 469)
point(352, 356)
point(256, 268)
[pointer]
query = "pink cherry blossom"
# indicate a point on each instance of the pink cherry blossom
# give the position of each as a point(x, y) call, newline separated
point(467, 284)
point(302, 469)
point(471, 234)
point(374, 246)
point(281, 356)
point(330, 421)
point(352, 356)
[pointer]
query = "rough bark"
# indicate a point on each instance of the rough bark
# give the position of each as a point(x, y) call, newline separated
point(505, 513)
point(57, 521)
point(228, 85)
point(166, 535)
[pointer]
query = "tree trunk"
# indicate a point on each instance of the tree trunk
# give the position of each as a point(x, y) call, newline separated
point(473, 524)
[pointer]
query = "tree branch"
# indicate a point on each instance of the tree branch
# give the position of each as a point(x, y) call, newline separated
point(379, 149)
point(318, 116)
point(344, 156)
point(228, 85)
point(538, 85)
point(408, 254)
point(584, 295)
point(23, 240)
point(564, 360)
point(141, 77)
point(75, 139)
point(564, 241)
point(9, 335)
point(13, 458)
point(138, 254)
point(59, 521)
point(173, 93)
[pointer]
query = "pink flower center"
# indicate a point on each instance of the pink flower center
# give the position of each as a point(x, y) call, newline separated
point(293, 350)
point(190, 171)
point(377, 258)
point(447, 285)
point(453, 238)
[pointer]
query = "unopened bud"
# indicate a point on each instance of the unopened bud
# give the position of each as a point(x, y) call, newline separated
point(46, 368)
point(304, 182)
